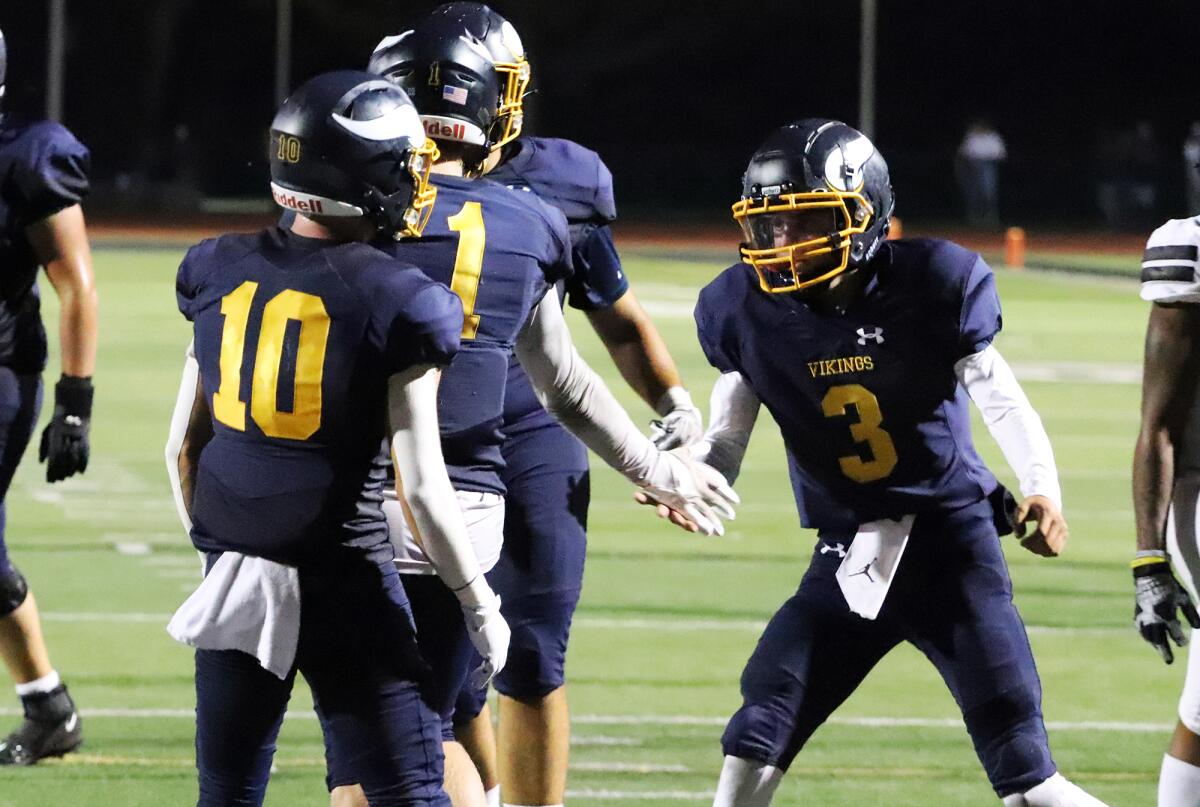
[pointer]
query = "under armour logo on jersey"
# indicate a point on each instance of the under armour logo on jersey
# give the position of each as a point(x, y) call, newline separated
point(840, 549)
point(875, 335)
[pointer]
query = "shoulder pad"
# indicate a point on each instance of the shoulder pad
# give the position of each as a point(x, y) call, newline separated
point(565, 174)
point(1170, 262)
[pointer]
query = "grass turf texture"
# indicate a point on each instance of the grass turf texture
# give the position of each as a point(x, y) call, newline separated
point(667, 619)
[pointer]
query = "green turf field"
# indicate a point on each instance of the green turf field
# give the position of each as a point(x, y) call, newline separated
point(667, 619)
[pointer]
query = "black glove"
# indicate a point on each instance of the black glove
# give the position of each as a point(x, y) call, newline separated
point(64, 446)
point(1159, 596)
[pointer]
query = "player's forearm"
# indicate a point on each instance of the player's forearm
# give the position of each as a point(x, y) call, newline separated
point(190, 431)
point(637, 349)
point(577, 397)
point(78, 322)
point(1153, 475)
point(1012, 422)
point(733, 409)
point(422, 486)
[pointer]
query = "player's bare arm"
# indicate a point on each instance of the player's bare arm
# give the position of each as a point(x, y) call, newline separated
point(1168, 389)
point(60, 243)
point(1171, 361)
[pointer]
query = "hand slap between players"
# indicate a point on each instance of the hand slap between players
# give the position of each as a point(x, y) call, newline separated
point(1050, 533)
point(688, 493)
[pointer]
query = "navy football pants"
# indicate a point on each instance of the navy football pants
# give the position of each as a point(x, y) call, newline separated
point(443, 642)
point(540, 572)
point(357, 651)
point(20, 402)
point(952, 599)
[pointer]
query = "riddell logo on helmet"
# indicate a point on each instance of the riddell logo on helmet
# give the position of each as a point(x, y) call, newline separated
point(292, 202)
point(445, 131)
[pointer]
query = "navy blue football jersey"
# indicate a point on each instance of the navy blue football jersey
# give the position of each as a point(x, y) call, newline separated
point(43, 169)
point(296, 339)
point(500, 250)
point(576, 181)
point(872, 415)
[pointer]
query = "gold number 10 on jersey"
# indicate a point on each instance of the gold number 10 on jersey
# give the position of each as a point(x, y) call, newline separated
point(227, 406)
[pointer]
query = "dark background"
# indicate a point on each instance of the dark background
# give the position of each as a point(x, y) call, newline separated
point(174, 96)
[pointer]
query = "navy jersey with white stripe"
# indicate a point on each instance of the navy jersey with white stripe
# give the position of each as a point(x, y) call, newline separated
point(296, 339)
point(873, 419)
point(43, 169)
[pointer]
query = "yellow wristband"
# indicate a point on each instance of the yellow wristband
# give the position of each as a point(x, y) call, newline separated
point(1139, 562)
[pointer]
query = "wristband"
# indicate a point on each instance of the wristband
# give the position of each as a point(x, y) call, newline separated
point(73, 395)
point(672, 399)
point(1148, 562)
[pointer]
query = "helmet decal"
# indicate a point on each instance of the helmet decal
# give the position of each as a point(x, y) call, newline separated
point(474, 43)
point(511, 40)
point(398, 122)
point(388, 41)
point(844, 165)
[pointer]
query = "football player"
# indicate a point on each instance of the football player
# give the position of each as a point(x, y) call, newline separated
point(540, 570)
point(501, 250)
point(865, 351)
point(1166, 484)
point(45, 171)
point(310, 345)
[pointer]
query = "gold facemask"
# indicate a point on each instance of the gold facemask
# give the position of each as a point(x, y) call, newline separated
point(781, 268)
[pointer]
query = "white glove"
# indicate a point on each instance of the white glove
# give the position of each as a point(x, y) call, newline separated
point(486, 628)
point(697, 491)
point(681, 423)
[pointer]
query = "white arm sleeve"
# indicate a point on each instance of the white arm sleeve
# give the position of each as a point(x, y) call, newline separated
point(1011, 419)
point(733, 408)
point(422, 484)
point(573, 393)
point(179, 422)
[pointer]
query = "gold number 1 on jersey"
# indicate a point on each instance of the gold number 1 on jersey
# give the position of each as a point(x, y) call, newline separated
point(468, 262)
point(307, 309)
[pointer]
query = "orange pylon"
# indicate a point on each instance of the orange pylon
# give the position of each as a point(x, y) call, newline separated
point(1014, 248)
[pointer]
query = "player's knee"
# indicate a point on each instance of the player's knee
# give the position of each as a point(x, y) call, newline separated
point(537, 653)
point(13, 590)
point(1010, 739)
point(765, 733)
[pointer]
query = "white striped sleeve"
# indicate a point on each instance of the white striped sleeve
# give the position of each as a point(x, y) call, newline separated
point(1170, 263)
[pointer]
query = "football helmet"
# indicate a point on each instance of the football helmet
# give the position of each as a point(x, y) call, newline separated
point(448, 74)
point(816, 200)
point(480, 23)
point(349, 144)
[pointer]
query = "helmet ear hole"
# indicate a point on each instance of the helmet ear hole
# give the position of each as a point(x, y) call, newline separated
point(857, 250)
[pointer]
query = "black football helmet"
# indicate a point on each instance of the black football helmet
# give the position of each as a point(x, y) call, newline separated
point(350, 143)
point(448, 74)
point(478, 23)
point(816, 200)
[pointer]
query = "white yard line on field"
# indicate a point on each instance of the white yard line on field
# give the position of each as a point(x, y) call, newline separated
point(1115, 726)
point(641, 795)
point(664, 624)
